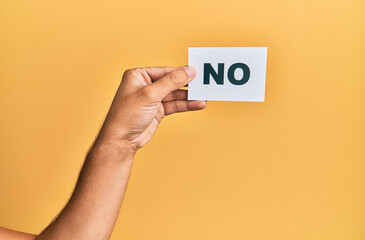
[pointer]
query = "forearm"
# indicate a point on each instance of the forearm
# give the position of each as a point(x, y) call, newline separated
point(93, 208)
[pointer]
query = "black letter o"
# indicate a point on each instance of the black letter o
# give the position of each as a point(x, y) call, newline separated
point(246, 73)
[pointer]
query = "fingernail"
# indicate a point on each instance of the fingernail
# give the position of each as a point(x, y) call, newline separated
point(190, 70)
point(204, 103)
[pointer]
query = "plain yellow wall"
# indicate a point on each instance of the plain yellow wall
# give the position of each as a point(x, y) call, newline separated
point(292, 167)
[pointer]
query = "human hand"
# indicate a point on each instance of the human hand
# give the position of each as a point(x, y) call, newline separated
point(144, 97)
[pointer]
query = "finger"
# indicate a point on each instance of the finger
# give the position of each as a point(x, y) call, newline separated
point(172, 81)
point(156, 73)
point(183, 106)
point(176, 95)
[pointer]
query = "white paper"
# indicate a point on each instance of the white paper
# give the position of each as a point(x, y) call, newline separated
point(253, 90)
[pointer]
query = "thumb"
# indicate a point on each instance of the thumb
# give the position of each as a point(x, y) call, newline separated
point(173, 81)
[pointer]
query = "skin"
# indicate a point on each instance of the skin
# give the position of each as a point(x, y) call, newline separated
point(144, 97)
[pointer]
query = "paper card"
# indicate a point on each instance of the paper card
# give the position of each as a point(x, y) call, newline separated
point(228, 74)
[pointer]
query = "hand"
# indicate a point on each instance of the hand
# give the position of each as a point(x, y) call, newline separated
point(144, 97)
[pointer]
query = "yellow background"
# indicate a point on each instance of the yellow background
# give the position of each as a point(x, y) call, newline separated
point(292, 167)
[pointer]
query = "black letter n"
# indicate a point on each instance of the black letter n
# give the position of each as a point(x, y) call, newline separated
point(218, 77)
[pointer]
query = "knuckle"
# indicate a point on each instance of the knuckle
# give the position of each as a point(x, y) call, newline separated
point(126, 74)
point(129, 72)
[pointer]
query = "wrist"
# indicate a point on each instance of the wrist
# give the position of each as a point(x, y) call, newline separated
point(112, 149)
